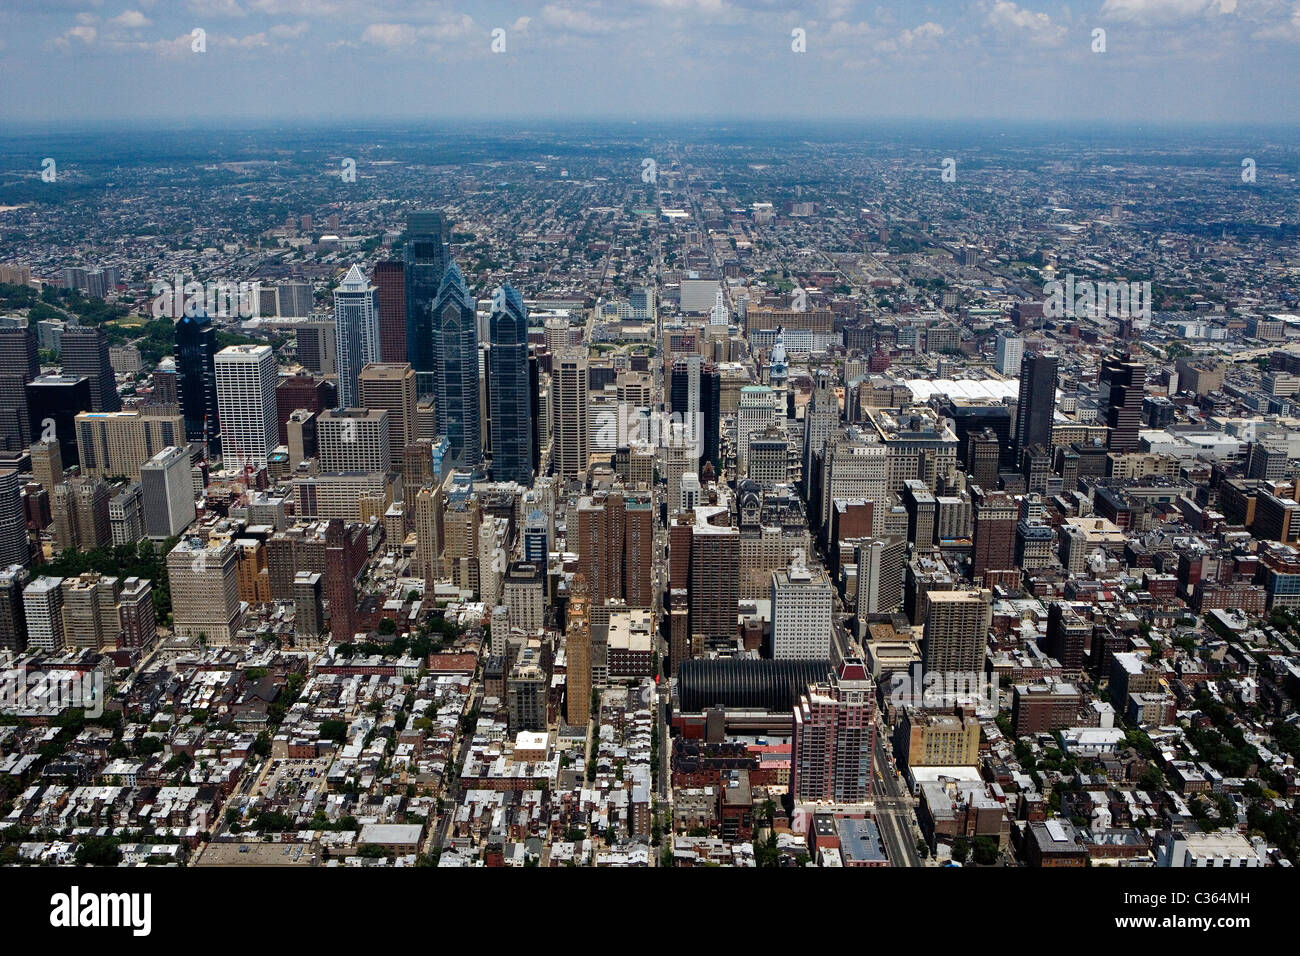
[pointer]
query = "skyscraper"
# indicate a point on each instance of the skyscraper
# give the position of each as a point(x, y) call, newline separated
point(1010, 353)
point(205, 590)
point(43, 609)
point(570, 388)
point(994, 519)
point(835, 737)
point(196, 350)
point(356, 325)
point(19, 364)
point(13, 532)
point(512, 412)
point(168, 488)
point(803, 601)
point(390, 386)
point(13, 620)
point(956, 631)
point(715, 581)
point(615, 542)
point(1037, 402)
point(245, 378)
point(455, 354)
point(389, 278)
point(85, 352)
point(1124, 381)
point(425, 262)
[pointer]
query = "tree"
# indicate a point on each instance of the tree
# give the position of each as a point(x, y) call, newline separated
point(960, 849)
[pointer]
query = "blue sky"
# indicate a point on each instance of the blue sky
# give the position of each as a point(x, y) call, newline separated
point(1166, 61)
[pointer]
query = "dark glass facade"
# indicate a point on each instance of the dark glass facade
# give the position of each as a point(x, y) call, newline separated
point(508, 385)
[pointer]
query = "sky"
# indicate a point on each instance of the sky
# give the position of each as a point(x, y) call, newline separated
point(70, 62)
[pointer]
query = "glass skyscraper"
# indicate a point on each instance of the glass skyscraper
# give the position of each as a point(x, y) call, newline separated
point(455, 352)
point(196, 351)
point(425, 258)
point(356, 328)
point(512, 413)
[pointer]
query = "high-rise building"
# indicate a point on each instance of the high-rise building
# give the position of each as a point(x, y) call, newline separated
point(308, 604)
point(301, 390)
point(760, 406)
point(715, 581)
point(389, 277)
point(126, 514)
point(80, 510)
point(204, 584)
point(196, 351)
point(1010, 352)
point(994, 519)
point(47, 463)
point(615, 542)
point(511, 398)
point(53, 403)
point(13, 620)
point(294, 299)
point(820, 419)
point(1067, 635)
point(456, 369)
point(345, 556)
point(354, 439)
point(881, 564)
point(91, 616)
point(19, 364)
point(43, 610)
point(85, 352)
point(835, 737)
point(1123, 380)
point(803, 601)
point(570, 388)
point(425, 260)
point(390, 386)
point(1036, 405)
point(14, 548)
point(246, 378)
point(956, 631)
point(356, 325)
point(168, 490)
point(577, 643)
point(118, 443)
point(138, 618)
point(316, 343)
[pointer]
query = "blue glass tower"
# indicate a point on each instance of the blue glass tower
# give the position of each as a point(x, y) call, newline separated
point(425, 258)
point(455, 351)
point(512, 412)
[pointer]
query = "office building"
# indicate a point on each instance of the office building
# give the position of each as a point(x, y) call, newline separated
point(14, 547)
point(881, 565)
point(80, 510)
point(1036, 405)
point(356, 327)
point(13, 620)
point(246, 379)
point(802, 614)
point(196, 351)
point(126, 514)
point(19, 365)
point(390, 386)
point(52, 404)
point(1123, 383)
point(91, 615)
point(47, 463)
point(110, 444)
point(85, 352)
point(570, 390)
point(425, 262)
point(168, 491)
point(994, 518)
point(577, 643)
point(511, 398)
point(316, 345)
point(389, 278)
point(137, 615)
point(456, 370)
point(1010, 352)
point(354, 440)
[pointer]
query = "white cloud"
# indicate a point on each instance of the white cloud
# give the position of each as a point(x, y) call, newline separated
point(1037, 28)
point(390, 35)
point(132, 19)
point(1151, 11)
